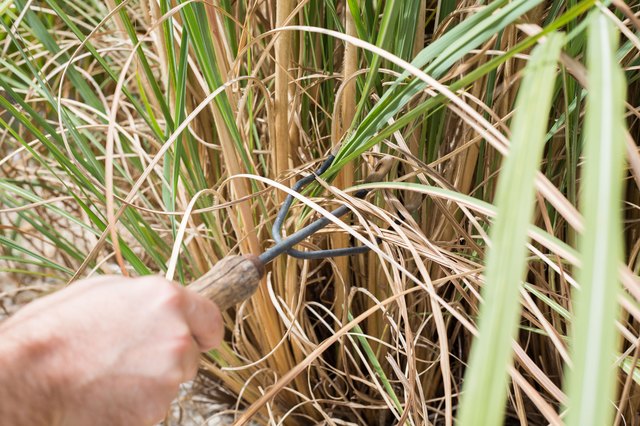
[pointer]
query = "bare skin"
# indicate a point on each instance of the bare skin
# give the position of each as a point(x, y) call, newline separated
point(105, 351)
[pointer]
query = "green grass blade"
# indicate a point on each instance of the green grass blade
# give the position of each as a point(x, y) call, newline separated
point(195, 19)
point(354, 9)
point(39, 30)
point(43, 260)
point(407, 27)
point(146, 67)
point(71, 171)
point(385, 34)
point(444, 9)
point(506, 261)
point(373, 359)
point(436, 59)
point(364, 138)
point(590, 383)
point(112, 73)
point(627, 366)
point(484, 208)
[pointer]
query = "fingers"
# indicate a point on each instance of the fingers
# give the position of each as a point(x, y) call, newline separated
point(204, 320)
point(190, 361)
point(202, 316)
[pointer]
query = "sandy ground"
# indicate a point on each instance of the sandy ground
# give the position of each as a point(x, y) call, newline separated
point(190, 409)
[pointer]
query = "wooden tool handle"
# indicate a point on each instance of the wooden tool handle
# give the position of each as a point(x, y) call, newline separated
point(232, 280)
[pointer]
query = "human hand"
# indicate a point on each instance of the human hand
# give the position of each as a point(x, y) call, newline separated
point(108, 350)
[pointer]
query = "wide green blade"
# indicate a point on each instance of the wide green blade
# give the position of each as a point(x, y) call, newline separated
point(590, 383)
point(485, 385)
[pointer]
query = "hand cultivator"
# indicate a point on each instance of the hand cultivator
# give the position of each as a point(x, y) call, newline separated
point(235, 278)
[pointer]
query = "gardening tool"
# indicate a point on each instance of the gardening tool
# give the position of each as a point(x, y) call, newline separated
point(235, 278)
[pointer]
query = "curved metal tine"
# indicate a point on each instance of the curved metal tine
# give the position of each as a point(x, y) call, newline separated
point(285, 245)
point(288, 243)
point(276, 229)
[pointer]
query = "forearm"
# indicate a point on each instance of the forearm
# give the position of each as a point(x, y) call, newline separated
point(28, 394)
